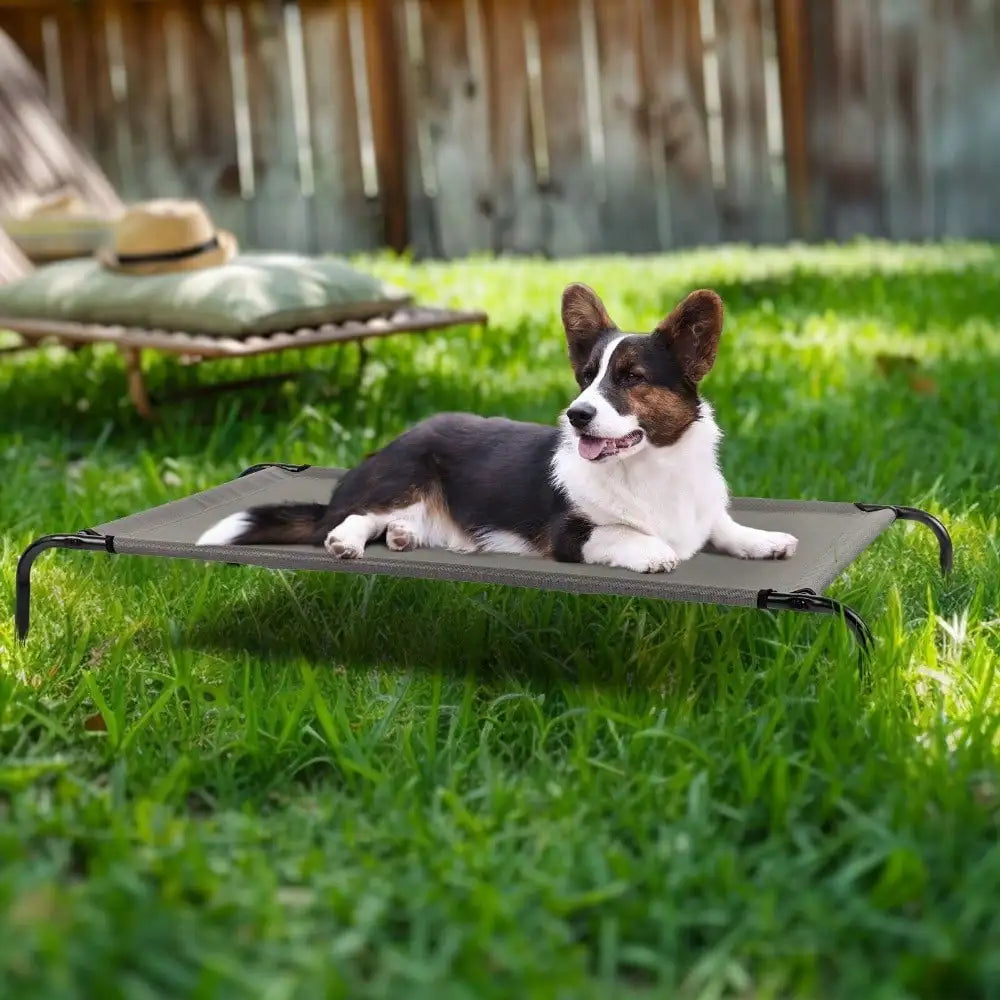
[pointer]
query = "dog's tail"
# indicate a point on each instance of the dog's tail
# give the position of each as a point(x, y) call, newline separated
point(276, 524)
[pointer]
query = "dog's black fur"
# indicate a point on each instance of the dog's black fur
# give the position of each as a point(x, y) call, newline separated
point(490, 473)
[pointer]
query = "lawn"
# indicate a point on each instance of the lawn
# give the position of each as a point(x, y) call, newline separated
point(223, 782)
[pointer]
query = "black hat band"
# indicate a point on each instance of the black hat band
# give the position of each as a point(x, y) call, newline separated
point(169, 255)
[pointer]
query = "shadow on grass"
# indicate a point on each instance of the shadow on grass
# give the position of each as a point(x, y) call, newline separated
point(504, 634)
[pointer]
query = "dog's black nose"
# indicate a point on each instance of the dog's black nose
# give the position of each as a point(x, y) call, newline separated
point(580, 414)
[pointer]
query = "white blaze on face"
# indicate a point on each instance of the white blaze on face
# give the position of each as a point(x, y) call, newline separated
point(608, 423)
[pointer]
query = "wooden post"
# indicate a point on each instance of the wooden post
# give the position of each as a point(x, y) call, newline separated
point(136, 383)
point(790, 25)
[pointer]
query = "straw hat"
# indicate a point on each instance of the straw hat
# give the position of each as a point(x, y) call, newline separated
point(166, 235)
point(63, 202)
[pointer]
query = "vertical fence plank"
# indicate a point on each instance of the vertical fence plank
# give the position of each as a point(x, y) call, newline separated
point(967, 117)
point(278, 211)
point(674, 77)
point(790, 26)
point(388, 119)
point(631, 219)
point(518, 208)
point(577, 159)
point(908, 209)
point(146, 27)
point(202, 113)
point(99, 92)
point(748, 199)
point(79, 70)
point(415, 136)
point(844, 140)
point(450, 99)
point(343, 219)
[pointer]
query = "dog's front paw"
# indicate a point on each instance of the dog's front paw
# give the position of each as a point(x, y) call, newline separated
point(647, 556)
point(343, 548)
point(768, 545)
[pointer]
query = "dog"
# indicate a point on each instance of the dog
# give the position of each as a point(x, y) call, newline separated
point(628, 478)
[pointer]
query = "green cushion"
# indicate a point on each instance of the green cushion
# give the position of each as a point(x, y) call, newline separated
point(252, 294)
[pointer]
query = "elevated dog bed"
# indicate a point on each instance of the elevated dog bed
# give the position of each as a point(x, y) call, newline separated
point(831, 536)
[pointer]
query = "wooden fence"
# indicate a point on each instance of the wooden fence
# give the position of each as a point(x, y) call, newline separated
point(541, 126)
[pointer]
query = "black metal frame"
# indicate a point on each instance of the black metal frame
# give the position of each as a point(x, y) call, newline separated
point(767, 600)
point(809, 601)
point(946, 549)
point(87, 539)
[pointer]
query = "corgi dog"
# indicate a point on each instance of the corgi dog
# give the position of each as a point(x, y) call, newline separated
point(629, 477)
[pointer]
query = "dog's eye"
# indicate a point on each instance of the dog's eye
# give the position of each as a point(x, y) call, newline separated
point(632, 378)
point(588, 375)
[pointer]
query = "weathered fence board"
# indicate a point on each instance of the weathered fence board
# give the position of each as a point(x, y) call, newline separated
point(147, 28)
point(202, 137)
point(967, 120)
point(574, 191)
point(554, 127)
point(675, 77)
point(345, 218)
point(908, 67)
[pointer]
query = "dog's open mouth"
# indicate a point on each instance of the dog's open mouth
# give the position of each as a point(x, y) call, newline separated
point(593, 448)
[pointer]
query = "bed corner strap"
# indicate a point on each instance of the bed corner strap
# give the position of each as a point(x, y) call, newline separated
point(108, 540)
point(945, 547)
point(272, 465)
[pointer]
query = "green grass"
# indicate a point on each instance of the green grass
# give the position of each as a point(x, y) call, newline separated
point(315, 785)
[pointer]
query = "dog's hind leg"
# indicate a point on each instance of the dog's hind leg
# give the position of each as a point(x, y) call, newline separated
point(426, 524)
point(401, 535)
point(349, 538)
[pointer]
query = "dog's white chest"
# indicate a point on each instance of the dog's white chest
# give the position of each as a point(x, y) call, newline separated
point(675, 495)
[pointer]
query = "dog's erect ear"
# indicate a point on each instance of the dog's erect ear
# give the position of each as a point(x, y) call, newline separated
point(692, 331)
point(584, 319)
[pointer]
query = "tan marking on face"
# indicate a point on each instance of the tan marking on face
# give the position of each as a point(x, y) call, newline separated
point(625, 360)
point(664, 415)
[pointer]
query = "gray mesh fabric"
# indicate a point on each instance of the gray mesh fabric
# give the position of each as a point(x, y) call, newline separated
point(831, 536)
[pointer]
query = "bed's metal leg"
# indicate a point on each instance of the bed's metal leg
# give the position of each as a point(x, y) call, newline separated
point(945, 547)
point(809, 600)
point(81, 540)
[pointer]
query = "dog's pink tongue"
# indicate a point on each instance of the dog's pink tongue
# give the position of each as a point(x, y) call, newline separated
point(591, 448)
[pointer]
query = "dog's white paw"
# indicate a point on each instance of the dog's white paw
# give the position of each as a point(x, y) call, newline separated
point(399, 537)
point(766, 545)
point(343, 548)
point(646, 555)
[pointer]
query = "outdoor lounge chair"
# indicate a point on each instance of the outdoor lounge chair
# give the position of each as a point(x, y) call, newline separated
point(132, 341)
point(831, 536)
point(209, 301)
